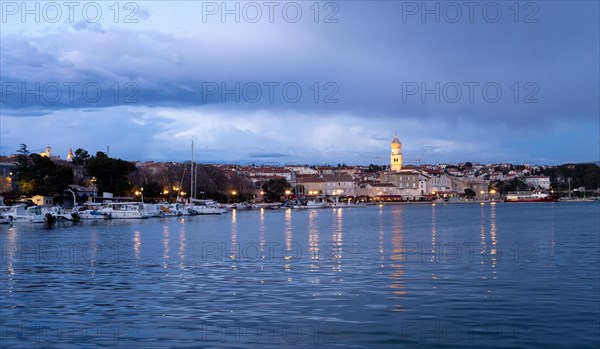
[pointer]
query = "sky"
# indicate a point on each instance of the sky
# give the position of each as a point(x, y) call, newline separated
point(303, 82)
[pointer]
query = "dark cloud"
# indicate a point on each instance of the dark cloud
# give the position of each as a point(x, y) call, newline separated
point(376, 64)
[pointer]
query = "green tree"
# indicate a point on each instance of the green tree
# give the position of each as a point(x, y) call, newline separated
point(111, 174)
point(81, 155)
point(275, 188)
point(153, 191)
point(37, 174)
point(581, 175)
point(299, 189)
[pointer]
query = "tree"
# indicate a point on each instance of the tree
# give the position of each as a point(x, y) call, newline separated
point(81, 155)
point(374, 168)
point(37, 174)
point(111, 174)
point(275, 188)
point(153, 191)
point(299, 189)
point(469, 193)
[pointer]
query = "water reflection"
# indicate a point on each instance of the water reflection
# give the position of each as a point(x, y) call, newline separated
point(433, 233)
point(381, 238)
point(137, 243)
point(398, 255)
point(552, 236)
point(11, 248)
point(165, 242)
point(337, 239)
point(93, 249)
point(313, 240)
point(482, 237)
point(494, 249)
point(234, 239)
point(182, 238)
point(288, 240)
point(489, 245)
point(261, 235)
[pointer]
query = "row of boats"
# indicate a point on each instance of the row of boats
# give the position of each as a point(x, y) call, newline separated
point(96, 211)
point(140, 210)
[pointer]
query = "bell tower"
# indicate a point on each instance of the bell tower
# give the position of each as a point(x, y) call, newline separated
point(396, 154)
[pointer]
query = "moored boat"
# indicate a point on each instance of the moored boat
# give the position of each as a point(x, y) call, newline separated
point(202, 207)
point(92, 211)
point(530, 196)
point(127, 210)
point(22, 213)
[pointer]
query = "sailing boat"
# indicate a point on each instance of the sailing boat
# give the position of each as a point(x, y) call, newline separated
point(200, 207)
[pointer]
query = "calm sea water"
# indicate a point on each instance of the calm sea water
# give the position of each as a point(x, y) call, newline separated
point(444, 276)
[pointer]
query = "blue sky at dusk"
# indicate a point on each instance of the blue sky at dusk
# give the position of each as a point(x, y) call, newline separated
point(295, 82)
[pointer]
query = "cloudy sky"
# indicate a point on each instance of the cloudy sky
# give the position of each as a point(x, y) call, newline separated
point(295, 82)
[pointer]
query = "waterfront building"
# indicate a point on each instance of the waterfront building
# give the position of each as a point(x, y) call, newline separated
point(337, 184)
point(411, 184)
point(372, 189)
point(538, 182)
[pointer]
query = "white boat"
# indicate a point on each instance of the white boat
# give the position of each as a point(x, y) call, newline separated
point(3, 212)
point(126, 210)
point(310, 204)
point(172, 209)
point(59, 214)
point(203, 207)
point(22, 214)
point(151, 210)
point(92, 212)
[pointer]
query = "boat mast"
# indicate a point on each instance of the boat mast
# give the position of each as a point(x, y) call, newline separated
point(192, 174)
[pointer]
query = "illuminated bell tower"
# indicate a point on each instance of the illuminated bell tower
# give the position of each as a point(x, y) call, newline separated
point(396, 155)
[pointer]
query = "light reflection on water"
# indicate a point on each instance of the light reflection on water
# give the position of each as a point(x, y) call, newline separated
point(338, 239)
point(398, 256)
point(372, 277)
point(313, 240)
point(182, 238)
point(165, 242)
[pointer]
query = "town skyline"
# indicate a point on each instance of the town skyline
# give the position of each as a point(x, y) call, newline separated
point(379, 160)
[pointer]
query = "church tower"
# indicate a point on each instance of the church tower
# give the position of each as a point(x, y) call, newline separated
point(396, 155)
point(70, 155)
